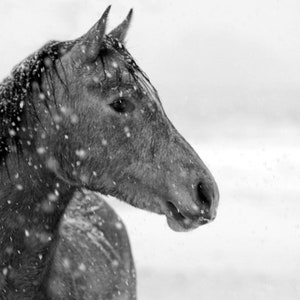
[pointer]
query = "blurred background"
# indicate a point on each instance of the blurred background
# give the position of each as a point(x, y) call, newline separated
point(228, 73)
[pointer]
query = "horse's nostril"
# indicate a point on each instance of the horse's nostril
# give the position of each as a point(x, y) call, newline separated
point(204, 195)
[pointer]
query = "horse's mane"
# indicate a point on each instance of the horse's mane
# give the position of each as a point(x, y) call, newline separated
point(16, 89)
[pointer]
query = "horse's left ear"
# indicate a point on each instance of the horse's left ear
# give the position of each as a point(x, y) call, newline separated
point(121, 31)
point(89, 45)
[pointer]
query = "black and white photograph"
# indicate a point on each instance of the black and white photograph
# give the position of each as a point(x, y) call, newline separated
point(149, 150)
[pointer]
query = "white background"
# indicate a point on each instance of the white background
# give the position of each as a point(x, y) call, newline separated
point(228, 73)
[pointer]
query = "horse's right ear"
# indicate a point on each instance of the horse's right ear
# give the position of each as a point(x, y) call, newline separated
point(89, 45)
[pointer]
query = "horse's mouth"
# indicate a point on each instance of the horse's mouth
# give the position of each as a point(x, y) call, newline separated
point(177, 221)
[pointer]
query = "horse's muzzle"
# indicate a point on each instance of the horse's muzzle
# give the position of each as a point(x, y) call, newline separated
point(202, 211)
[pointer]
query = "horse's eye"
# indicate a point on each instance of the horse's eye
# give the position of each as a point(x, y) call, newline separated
point(122, 105)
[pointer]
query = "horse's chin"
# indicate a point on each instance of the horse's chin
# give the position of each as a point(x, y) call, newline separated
point(177, 226)
point(184, 225)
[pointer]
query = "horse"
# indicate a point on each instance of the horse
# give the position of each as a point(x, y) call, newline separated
point(78, 118)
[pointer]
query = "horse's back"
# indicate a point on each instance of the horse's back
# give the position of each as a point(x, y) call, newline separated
point(93, 259)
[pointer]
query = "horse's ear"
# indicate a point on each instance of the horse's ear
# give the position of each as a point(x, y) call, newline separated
point(121, 31)
point(89, 45)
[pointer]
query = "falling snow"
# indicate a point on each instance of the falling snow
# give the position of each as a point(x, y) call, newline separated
point(81, 153)
point(41, 150)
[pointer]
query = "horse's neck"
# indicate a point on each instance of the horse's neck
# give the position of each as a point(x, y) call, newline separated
point(32, 203)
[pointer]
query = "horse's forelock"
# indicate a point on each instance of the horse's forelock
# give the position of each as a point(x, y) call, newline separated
point(136, 75)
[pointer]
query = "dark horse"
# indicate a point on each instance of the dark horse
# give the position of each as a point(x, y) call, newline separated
point(77, 116)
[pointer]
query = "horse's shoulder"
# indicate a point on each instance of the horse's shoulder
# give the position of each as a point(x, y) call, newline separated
point(93, 256)
point(89, 212)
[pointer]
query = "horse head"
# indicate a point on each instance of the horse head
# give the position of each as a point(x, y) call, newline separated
point(110, 133)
